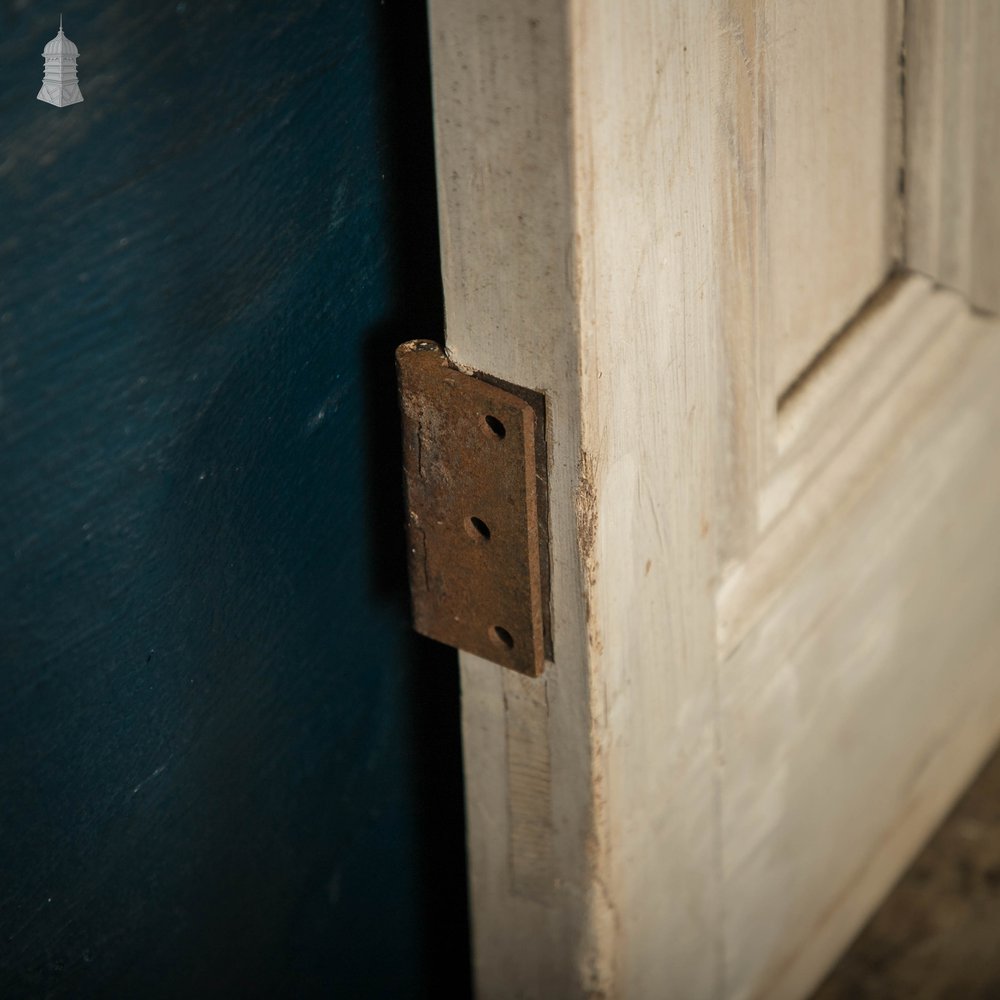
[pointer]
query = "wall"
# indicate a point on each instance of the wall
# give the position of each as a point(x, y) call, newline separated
point(226, 765)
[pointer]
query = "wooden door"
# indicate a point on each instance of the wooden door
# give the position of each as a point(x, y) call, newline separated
point(748, 251)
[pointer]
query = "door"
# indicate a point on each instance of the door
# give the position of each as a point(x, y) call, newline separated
point(219, 775)
point(747, 249)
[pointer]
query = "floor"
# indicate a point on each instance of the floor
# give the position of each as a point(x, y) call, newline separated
point(937, 936)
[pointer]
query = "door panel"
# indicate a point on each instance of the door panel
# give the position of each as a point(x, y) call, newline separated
point(868, 681)
point(773, 476)
point(952, 143)
point(810, 152)
point(831, 109)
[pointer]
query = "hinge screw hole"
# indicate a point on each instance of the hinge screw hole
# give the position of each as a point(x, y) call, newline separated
point(477, 529)
point(494, 427)
point(499, 636)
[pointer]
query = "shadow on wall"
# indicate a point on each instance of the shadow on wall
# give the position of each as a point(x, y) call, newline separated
point(227, 765)
point(418, 311)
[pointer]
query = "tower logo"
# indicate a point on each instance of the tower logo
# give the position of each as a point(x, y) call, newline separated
point(59, 84)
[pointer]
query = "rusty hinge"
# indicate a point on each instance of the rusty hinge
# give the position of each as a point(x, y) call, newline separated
point(475, 466)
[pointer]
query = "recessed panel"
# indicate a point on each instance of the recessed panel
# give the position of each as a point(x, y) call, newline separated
point(832, 148)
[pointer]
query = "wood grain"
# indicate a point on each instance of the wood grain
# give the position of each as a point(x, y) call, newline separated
point(808, 126)
point(862, 369)
point(952, 146)
point(859, 702)
point(749, 725)
point(833, 155)
point(505, 189)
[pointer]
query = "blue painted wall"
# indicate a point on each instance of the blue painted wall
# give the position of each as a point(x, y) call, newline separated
point(227, 767)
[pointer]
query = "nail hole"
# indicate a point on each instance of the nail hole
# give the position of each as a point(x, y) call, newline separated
point(478, 529)
point(494, 426)
point(499, 636)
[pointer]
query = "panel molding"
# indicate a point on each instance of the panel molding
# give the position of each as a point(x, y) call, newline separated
point(859, 369)
point(858, 703)
point(945, 333)
point(802, 176)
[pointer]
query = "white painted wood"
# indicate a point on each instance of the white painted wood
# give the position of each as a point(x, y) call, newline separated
point(857, 706)
point(860, 370)
point(505, 190)
point(833, 154)
point(808, 121)
point(850, 458)
point(766, 622)
point(953, 145)
point(645, 78)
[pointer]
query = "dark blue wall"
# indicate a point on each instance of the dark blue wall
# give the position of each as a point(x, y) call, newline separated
point(227, 768)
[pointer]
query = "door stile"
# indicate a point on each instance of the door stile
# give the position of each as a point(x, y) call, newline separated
point(502, 93)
